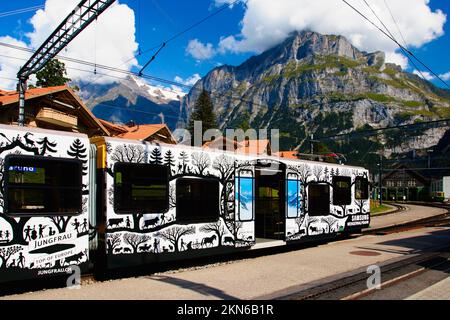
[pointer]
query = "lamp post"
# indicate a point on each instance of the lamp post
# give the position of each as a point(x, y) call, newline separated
point(429, 151)
point(380, 179)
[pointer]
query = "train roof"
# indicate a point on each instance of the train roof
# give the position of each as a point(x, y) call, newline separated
point(233, 154)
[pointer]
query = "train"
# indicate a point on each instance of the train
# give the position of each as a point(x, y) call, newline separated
point(105, 203)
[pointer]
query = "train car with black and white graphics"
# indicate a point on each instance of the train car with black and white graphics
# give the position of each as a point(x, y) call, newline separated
point(120, 203)
point(44, 202)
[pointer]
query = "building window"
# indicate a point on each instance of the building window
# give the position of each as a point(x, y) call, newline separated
point(141, 188)
point(42, 186)
point(342, 192)
point(361, 188)
point(318, 199)
point(198, 200)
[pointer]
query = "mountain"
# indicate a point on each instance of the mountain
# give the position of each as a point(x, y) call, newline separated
point(133, 100)
point(322, 84)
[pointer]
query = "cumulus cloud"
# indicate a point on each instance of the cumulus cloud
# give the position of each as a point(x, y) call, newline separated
point(105, 41)
point(267, 23)
point(445, 76)
point(200, 51)
point(189, 81)
point(10, 62)
point(428, 76)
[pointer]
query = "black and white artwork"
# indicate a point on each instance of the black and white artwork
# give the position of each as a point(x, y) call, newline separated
point(36, 244)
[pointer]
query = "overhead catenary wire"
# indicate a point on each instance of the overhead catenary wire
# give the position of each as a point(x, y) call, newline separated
point(20, 11)
point(390, 33)
point(399, 44)
point(196, 24)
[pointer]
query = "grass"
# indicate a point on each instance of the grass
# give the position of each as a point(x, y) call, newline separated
point(376, 209)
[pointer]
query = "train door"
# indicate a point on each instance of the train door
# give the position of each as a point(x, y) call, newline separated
point(270, 201)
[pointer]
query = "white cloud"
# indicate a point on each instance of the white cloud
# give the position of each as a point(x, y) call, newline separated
point(428, 76)
point(267, 23)
point(10, 62)
point(105, 41)
point(445, 76)
point(189, 81)
point(220, 3)
point(200, 51)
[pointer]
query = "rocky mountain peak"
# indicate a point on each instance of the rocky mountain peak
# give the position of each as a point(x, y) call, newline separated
point(314, 83)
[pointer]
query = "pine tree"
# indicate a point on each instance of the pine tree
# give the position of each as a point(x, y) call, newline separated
point(46, 146)
point(204, 112)
point(156, 156)
point(169, 160)
point(78, 151)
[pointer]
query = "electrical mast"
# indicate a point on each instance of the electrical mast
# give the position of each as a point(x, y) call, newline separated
point(83, 14)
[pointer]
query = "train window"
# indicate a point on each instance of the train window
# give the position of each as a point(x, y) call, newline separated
point(293, 198)
point(342, 192)
point(361, 188)
point(318, 199)
point(197, 200)
point(42, 186)
point(245, 197)
point(141, 188)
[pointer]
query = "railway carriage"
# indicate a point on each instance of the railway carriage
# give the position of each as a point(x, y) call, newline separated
point(44, 200)
point(131, 203)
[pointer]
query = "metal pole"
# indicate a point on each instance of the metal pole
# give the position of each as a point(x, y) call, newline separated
point(380, 180)
point(22, 88)
point(312, 144)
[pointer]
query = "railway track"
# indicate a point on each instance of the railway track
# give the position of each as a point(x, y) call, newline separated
point(435, 221)
point(355, 287)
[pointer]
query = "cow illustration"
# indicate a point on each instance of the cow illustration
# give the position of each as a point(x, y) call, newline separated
point(115, 222)
point(145, 247)
point(126, 250)
point(74, 258)
point(117, 250)
point(150, 222)
point(313, 229)
point(208, 240)
point(228, 240)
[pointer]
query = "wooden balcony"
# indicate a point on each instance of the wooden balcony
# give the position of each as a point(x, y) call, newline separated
point(56, 117)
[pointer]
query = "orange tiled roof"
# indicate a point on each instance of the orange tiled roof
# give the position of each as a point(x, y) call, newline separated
point(247, 147)
point(142, 132)
point(8, 97)
point(113, 126)
point(138, 132)
point(254, 147)
point(287, 154)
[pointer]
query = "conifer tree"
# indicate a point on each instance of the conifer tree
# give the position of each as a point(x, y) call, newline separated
point(78, 151)
point(156, 156)
point(204, 112)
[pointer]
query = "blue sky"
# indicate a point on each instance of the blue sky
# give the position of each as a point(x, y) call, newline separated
point(159, 20)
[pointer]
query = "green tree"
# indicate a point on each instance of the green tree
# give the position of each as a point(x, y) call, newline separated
point(53, 74)
point(203, 111)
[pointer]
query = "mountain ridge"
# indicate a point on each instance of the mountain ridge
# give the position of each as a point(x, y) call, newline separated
point(322, 84)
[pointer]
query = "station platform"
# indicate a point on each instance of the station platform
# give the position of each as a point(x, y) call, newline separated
point(270, 276)
point(438, 291)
